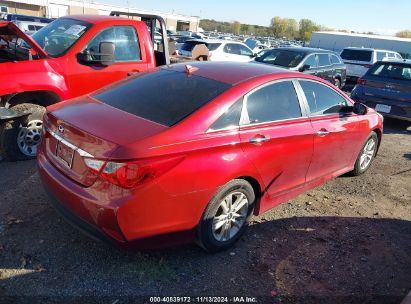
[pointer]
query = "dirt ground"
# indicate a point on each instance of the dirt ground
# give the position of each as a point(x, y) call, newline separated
point(348, 241)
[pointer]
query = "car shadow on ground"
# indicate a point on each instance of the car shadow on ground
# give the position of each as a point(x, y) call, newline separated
point(304, 260)
point(394, 126)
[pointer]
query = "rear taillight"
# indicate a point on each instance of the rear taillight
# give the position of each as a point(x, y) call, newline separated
point(133, 173)
point(361, 81)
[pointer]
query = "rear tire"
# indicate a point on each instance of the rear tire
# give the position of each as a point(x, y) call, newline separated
point(226, 216)
point(19, 138)
point(366, 155)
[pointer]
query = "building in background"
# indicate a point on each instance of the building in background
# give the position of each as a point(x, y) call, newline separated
point(337, 41)
point(59, 8)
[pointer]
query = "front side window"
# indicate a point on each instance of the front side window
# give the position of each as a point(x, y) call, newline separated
point(232, 48)
point(335, 59)
point(323, 60)
point(59, 36)
point(311, 61)
point(125, 42)
point(277, 101)
point(321, 99)
point(244, 51)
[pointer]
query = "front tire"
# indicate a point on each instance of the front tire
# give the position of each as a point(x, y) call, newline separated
point(20, 138)
point(226, 216)
point(366, 155)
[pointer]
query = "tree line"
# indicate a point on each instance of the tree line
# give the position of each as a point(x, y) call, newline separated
point(279, 27)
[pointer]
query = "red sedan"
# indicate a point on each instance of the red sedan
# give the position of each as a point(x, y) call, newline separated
point(188, 153)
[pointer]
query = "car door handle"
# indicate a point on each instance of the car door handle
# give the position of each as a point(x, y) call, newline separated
point(323, 133)
point(259, 139)
point(133, 73)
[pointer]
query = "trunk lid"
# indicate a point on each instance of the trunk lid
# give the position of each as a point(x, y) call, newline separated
point(9, 28)
point(77, 130)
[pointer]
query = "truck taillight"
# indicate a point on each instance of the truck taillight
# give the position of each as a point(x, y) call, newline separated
point(361, 81)
point(131, 174)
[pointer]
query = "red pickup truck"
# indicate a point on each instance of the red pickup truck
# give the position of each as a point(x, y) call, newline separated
point(72, 56)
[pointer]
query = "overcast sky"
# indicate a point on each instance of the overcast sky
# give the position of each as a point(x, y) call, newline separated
point(380, 16)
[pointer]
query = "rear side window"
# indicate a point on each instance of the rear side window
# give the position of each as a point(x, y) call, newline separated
point(323, 60)
point(321, 99)
point(390, 70)
point(277, 101)
point(231, 118)
point(356, 55)
point(165, 97)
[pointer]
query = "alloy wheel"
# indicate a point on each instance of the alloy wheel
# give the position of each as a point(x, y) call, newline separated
point(368, 153)
point(230, 217)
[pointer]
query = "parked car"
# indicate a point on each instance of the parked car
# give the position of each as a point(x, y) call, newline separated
point(29, 27)
point(387, 88)
point(359, 60)
point(69, 57)
point(322, 63)
point(191, 151)
point(220, 50)
point(17, 17)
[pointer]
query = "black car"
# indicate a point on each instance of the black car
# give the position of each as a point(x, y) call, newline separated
point(322, 63)
point(387, 88)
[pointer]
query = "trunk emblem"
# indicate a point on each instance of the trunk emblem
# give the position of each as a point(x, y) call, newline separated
point(61, 128)
point(389, 86)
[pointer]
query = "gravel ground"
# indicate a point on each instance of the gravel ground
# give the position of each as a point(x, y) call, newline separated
point(348, 241)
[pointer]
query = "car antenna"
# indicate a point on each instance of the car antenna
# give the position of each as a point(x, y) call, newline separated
point(190, 69)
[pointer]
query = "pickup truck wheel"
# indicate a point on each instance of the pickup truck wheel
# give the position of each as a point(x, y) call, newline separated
point(20, 138)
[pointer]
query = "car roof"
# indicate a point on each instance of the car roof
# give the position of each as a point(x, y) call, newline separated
point(368, 49)
point(403, 61)
point(216, 41)
point(230, 72)
point(94, 19)
point(306, 50)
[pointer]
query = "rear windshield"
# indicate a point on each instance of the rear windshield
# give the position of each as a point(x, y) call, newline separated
point(356, 55)
point(165, 97)
point(390, 70)
point(188, 46)
point(284, 58)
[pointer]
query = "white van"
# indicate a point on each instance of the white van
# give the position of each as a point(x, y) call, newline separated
point(359, 60)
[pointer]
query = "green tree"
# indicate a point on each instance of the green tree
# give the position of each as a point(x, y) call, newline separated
point(236, 27)
point(307, 27)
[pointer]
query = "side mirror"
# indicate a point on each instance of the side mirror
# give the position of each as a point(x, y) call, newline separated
point(253, 55)
point(304, 68)
point(107, 51)
point(105, 56)
point(360, 108)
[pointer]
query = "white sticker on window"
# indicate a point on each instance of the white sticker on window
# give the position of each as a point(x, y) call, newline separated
point(75, 30)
